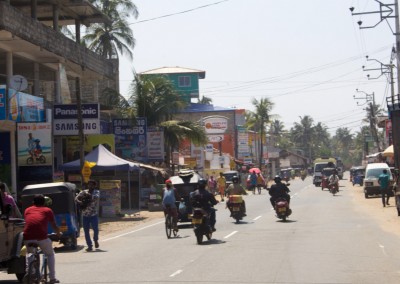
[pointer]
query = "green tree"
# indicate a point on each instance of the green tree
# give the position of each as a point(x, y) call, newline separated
point(302, 134)
point(262, 116)
point(205, 100)
point(114, 37)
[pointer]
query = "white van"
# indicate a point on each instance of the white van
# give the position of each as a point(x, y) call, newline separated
point(372, 172)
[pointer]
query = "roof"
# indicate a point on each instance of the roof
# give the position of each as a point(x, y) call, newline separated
point(69, 11)
point(174, 70)
point(196, 107)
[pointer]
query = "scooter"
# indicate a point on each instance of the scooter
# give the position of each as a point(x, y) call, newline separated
point(333, 188)
point(282, 209)
point(201, 227)
point(236, 207)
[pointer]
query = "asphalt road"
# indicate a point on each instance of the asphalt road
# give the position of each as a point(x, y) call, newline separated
point(328, 239)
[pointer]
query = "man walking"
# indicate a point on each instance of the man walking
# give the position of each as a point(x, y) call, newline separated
point(88, 200)
point(383, 181)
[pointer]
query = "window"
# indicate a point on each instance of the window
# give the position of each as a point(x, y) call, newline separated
point(184, 81)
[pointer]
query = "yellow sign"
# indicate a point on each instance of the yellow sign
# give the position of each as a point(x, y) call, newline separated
point(86, 171)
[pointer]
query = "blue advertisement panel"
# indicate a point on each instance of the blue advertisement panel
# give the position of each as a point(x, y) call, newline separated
point(5, 158)
point(34, 144)
point(130, 139)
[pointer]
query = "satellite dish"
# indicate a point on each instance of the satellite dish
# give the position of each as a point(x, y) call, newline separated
point(18, 83)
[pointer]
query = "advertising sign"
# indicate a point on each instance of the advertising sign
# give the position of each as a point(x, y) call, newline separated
point(66, 121)
point(155, 145)
point(34, 144)
point(215, 124)
point(110, 198)
point(130, 139)
point(215, 138)
point(5, 157)
point(91, 141)
point(243, 142)
point(23, 107)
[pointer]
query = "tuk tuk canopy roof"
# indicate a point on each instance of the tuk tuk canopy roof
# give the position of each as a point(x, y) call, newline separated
point(104, 159)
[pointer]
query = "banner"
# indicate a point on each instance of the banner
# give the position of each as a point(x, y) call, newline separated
point(110, 198)
point(91, 141)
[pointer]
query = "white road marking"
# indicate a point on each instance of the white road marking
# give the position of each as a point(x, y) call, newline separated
point(176, 273)
point(230, 235)
point(134, 231)
point(258, 217)
point(383, 248)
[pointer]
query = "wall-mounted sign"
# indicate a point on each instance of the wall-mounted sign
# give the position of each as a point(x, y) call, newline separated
point(215, 124)
point(215, 138)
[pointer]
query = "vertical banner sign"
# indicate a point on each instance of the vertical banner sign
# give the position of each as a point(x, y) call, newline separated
point(5, 157)
point(243, 142)
point(110, 198)
point(155, 144)
point(130, 139)
point(34, 144)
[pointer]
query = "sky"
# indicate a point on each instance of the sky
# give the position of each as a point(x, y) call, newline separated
point(305, 56)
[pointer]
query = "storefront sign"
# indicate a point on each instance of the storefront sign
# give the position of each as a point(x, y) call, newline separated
point(66, 122)
point(215, 124)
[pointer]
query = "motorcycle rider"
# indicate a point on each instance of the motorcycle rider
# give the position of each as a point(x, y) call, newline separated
point(334, 179)
point(201, 198)
point(278, 190)
point(236, 189)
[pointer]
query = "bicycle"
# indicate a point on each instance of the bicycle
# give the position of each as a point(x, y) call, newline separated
point(169, 223)
point(37, 274)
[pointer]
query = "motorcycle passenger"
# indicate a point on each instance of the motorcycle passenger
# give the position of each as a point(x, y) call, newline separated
point(236, 189)
point(201, 198)
point(278, 190)
point(334, 179)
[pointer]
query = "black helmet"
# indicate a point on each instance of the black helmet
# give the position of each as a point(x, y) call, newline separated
point(235, 179)
point(202, 183)
point(277, 179)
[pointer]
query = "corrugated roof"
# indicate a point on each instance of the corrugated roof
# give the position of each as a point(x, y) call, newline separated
point(175, 70)
point(195, 107)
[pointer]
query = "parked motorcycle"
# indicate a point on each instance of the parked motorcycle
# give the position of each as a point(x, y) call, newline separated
point(333, 188)
point(236, 208)
point(201, 227)
point(282, 209)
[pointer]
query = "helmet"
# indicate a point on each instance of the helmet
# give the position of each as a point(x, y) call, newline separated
point(48, 201)
point(202, 183)
point(235, 179)
point(277, 179)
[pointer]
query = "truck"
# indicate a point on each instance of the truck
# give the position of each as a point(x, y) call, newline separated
point(319, 164)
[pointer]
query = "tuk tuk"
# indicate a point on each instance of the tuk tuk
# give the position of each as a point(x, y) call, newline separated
point(185, 182)
point(358, 176)
point(63, 205)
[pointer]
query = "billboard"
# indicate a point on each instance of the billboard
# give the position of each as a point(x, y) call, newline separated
point(155, 145)
point(91, 141)
point(66, 121)
point(131, 138)
point(34, 144)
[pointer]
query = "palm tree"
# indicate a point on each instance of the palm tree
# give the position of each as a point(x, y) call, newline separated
point(113, 100)
point(302, 134)
point(205, 100)
point(262, 111)
point(109, 39)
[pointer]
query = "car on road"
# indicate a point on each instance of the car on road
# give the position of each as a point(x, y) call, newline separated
point(372, 172)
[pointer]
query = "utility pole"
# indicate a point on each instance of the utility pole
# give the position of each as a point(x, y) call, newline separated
point(386, 11)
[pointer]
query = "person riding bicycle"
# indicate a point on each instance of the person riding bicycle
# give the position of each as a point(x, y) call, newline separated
point(37, 217)
point(278, 190)
point(201, 198)
point(334, 179)
point(170, 196)
point(236, 189)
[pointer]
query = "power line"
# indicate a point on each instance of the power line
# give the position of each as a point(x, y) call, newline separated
point(178, 13)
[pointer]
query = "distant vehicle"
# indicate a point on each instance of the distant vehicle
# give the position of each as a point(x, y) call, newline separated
point(229, 175)
point(319, 165)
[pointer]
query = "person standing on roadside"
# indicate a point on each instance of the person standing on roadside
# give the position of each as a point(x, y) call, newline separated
point(88, 201)
point(37, 217)
point(212, 184)
point(383, 181)
point(221, 181)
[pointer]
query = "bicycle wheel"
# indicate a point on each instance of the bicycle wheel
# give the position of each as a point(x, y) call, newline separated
point(45, 276)
point(33, 274)
point(168, 225)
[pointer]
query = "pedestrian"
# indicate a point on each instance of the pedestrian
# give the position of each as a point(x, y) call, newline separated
point(88, 201)
point(383, 181)
point(253, 181)
point(37, 217)
point(221, 181)
point(212, 185)
point(8, 203)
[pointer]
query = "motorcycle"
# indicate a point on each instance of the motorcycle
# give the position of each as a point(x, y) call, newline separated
point(282, 209)
point(201, 227)
point(324, 183)
point(333, 188)
point(235, 206)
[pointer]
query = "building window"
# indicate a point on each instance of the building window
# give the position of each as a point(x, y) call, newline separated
point(184, 81)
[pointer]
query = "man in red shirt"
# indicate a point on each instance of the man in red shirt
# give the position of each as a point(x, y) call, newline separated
point(37, 218)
